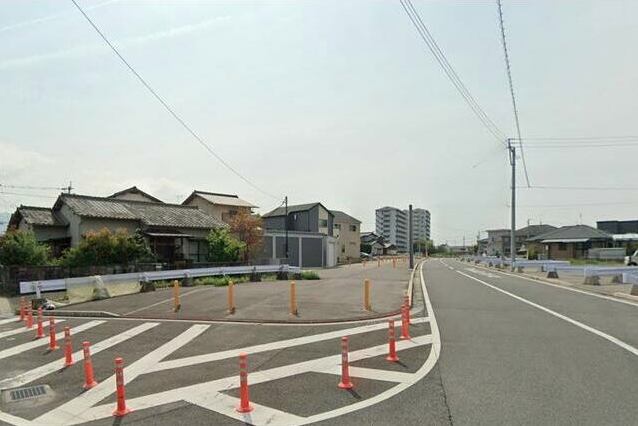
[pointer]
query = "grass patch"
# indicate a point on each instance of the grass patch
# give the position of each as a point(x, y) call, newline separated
point(222, 281)
point(585, 262)
point(309, 275)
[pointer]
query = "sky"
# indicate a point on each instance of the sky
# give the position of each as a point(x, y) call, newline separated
point(338, 102)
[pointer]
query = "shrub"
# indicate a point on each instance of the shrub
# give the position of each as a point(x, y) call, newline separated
point(105, 247)
point(223, 247)
point(309, 275)
point(21, 248)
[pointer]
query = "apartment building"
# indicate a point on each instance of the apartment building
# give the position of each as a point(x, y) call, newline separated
point(420, 223)
point(392, 224)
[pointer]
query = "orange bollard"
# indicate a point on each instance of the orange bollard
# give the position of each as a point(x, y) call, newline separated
point(121, 409)
point(89, 381)
point(53, 344)
point(364, 263)
point(405, 332)
point(68, 349)
point(244, 400)
point(378, 262)
point(392, 350)
point(29, 317)
point(231, 297)
point(176, 305)
point(345, 382)
point(293, 298)
point(394, 263)
point(22, 318)
point(40, 333)
point(366, 295)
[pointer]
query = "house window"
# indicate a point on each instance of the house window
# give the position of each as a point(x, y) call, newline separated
point(562, 246)
point(353, 228)
point(337, 226)
point(323, 223)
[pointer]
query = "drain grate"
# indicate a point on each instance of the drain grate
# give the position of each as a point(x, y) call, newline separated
point(26, 393)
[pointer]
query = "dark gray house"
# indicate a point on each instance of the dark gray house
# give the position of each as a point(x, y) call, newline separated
point(312, 217)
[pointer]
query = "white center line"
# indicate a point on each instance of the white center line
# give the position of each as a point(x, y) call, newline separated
point(585, 327)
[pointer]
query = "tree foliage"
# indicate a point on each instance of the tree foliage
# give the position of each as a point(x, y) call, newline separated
point(105, 247)
point(223, 247)
point(20, 248)
point(248, 229)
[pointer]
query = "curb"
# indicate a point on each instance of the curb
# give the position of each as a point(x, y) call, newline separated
point(626, 296)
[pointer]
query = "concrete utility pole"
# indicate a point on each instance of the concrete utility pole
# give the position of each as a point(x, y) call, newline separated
point(512, 151)
point(286, 227)
point(410, 237)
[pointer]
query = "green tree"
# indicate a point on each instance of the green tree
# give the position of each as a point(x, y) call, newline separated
point(222, 247)
point(21, 248)
point(105, 247)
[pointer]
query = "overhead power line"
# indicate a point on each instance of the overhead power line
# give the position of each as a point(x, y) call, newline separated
point(170, 110)
point(582, 138)
point(449, 70)
point(22, 194)
point(584, 188)
point(509, 77)
point(40, 188)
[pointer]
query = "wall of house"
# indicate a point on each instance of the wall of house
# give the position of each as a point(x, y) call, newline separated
point(314, 250)
point(278, 222)
point(220, 211)
point(45, 233)
point(348, 241)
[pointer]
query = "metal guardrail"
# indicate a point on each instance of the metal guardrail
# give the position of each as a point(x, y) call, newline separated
point(61, 284)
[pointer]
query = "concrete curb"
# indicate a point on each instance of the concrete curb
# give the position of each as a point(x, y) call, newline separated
point(626, 296)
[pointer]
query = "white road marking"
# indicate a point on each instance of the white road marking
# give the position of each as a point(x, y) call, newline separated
point(575, 290)
point(201, 390)
point(56, 365)
point(14, 420)
point(42, 342)
point(24, 329)
point(9, 320)
point(281, 344)
point(83, 408)
point(485, 274)
point(585, 327)
point(164, 301)
point(373, 374)
point(72, 410)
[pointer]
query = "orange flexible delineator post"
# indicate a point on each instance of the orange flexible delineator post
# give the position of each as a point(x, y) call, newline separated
point(40, 333)
point(392, 349)
point(89, 380)
point(53, 344)
point(244, 399)
point(345, 382)
point(121, 409)
point(405, 332)
point(29, 318)
point(22, 317)
point(68, 348)
point(176, 304)
point(231, 297)
point(293, 298)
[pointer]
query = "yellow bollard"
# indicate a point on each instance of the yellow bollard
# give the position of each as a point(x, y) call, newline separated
point(366, 295)
point(378, 262)
point(394, 263)
point(293, 298)
point(231, 297)
point(176, 304)
point(364, 263)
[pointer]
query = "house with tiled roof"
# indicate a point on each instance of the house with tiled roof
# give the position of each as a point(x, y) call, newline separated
point(222, 206)
point(175, 232)
point(571, 242)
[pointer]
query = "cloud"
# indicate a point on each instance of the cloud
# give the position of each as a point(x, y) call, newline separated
point(14, 159)
point(42, 19)
point(95, 48)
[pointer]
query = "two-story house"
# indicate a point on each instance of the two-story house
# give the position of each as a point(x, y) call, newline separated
point(221, 206)
point(347, 230)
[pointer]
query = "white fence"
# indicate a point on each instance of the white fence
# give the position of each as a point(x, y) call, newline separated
point(61, 284)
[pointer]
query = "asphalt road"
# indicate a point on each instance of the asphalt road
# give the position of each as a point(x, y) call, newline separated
point(504, 361)
point(512, 351)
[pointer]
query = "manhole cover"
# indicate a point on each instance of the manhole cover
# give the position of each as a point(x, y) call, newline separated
point(26, 393)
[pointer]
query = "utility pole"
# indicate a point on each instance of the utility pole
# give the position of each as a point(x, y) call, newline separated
point(512, 152)
point(410, 237)
point(286, 227)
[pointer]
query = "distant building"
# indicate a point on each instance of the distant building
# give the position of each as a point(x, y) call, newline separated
point(135, 194)
point(571, 242)
point(420, 223)
point(495, 241)
point(311, 217)
point(522, 235)
point(618, 226)
point(392, 224)
point(221, 206)
point(347, 230)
